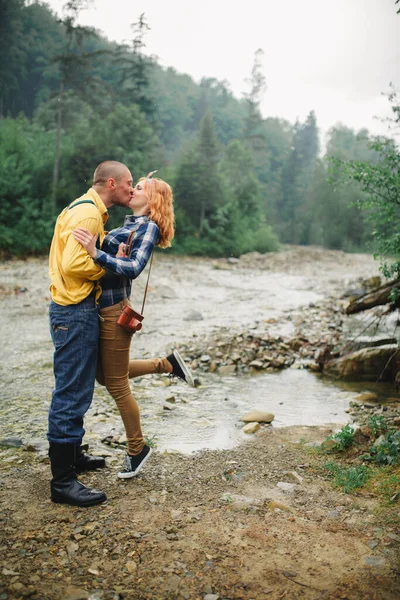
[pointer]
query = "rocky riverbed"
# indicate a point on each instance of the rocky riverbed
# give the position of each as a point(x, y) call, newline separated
point(258, 520)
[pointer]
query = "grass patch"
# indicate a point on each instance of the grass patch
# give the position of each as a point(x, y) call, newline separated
point(151, 442)
point(385, 484)
point(349, 479)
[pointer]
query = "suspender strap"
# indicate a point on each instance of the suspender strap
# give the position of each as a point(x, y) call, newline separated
point(81, 202)
point(72, 205)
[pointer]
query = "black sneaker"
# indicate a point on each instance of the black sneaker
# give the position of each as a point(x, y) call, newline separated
point(134, 464)
point(180, 368)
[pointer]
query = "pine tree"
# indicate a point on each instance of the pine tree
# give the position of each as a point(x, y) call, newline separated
point(135, 67)
point(198, 188)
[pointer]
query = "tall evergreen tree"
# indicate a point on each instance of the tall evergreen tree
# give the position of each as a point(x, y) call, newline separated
point(198, 188)
point(297, 177)
point(253, 134)
point(135, 68)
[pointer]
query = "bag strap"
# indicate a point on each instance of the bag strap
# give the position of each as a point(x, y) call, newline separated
point(127, 253)
point(147, 283)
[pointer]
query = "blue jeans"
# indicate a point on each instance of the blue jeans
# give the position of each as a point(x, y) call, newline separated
point(75, 333)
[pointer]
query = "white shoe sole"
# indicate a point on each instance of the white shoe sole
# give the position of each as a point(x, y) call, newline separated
point(187, 373)
point(130, 474)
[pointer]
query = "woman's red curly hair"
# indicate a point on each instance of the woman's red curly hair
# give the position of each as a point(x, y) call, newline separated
point(160, 198)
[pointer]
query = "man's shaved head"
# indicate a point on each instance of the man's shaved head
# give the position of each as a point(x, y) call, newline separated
point(107, 169)
point(112, 180)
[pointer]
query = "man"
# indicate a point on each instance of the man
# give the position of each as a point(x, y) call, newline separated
point(74, 326)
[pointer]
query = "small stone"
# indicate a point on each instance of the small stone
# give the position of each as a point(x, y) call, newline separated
point(375, 561)
point(193, 315)
point(131, 566)
point(227, 370)
point(168, 407)
point(11, 442)
point(328, 444)
point(211, 597)
point(173, 583)
point(333, 514)
point(72, 548)
point(279, 505)
point(258, 416)
point(75, 593)
point(171, 399)
point(286, 487)
point(251, 428)
point(372, 544)
point(16, 587)
point(205, 358)
point(256, 364)
point(380, 440)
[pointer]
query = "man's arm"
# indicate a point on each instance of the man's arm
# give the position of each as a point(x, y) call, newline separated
point(76, 262)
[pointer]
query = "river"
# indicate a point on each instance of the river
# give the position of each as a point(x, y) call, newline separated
point(257, 291)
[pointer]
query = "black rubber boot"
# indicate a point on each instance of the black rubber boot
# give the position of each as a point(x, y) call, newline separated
point(65, 488)
point(86, 462)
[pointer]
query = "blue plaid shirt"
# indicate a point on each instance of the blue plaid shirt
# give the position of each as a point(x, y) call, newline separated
point(116, 284)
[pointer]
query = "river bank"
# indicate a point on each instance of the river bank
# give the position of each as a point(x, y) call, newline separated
point(257, 520)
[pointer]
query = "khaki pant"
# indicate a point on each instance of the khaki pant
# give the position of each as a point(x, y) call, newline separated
point(114, 370)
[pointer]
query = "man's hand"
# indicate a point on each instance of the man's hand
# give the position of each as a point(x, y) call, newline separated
point(88, 241)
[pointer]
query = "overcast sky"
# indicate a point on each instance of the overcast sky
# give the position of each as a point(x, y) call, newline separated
point(336, 57)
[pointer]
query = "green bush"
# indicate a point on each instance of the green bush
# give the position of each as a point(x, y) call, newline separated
point(386, 452)
point(343, 438)
point(377, 425)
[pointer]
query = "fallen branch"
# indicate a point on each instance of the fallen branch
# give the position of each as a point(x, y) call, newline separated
point(376, 298)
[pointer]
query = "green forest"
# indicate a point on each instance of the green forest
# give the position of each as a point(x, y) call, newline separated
point(70, 98)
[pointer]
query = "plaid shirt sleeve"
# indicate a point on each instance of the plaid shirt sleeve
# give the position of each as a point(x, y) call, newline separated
point(143, 244)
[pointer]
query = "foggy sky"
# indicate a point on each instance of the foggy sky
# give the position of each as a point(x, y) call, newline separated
point(336, 57)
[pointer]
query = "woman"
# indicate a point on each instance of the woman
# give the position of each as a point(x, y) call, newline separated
point(153, 224)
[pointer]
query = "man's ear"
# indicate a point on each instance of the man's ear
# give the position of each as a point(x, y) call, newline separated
point(111, 183)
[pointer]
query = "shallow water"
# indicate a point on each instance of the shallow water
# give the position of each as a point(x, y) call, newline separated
point(208, 417)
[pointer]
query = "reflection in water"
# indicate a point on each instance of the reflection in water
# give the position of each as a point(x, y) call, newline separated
point(210, 416)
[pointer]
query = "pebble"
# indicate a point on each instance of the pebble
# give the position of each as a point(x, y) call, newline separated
point(227, 370)
point(257, 415)
point(11, 442)
point(375, 561)
point(286, 487)
point(251, 428)
point(75, 593)
point(193, 315)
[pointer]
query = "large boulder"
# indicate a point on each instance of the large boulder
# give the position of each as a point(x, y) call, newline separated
point(369, 364)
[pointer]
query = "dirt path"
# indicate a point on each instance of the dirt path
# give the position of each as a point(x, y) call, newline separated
point(214, 525)
point(235, 524)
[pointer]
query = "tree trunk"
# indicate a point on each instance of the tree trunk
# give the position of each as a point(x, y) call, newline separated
point(202, 216)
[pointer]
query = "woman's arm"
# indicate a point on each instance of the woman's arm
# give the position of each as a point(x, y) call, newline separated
point(146, 237)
